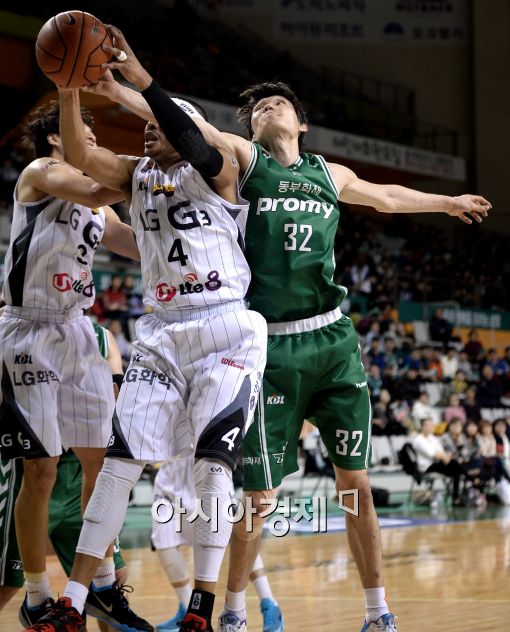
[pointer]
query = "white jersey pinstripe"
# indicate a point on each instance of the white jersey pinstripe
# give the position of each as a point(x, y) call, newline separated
point(49, 261)
point(191, 241)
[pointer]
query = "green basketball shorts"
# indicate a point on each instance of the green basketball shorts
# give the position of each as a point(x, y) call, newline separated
point(313, 370)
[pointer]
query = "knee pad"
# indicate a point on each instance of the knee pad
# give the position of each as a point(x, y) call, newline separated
point(215, 492)
point(104, 515)
point(116, 480)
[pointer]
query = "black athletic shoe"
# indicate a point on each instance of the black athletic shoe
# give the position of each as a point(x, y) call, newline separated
point(28, 616)
point(61, 617)
point(111, 606)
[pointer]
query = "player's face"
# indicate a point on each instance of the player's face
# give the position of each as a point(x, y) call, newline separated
point(273, 115)
point(90, 138)
point(156, 145)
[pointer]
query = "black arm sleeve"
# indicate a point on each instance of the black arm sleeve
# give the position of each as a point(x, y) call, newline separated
point(183, 133)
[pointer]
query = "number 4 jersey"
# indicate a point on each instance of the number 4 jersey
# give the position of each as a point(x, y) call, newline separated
point(290, 236)
point(191, 241)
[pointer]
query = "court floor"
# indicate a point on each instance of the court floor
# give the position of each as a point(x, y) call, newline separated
point(440, 575)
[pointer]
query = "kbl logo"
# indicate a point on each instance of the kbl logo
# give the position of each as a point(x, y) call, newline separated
point(275, 399)
point(165, 292)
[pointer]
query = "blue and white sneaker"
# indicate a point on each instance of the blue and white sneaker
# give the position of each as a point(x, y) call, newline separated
point(172, 625)
point(386, 623)
point(228, 622)
point(272, 616)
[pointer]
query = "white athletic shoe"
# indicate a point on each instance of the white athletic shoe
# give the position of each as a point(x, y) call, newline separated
point(228, 622)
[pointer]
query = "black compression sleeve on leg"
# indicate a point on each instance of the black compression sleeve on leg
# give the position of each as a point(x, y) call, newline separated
point(183, 133)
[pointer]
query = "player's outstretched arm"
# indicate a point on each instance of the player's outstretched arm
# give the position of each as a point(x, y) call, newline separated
point(99, 163)
point(134, 72)
point(392, 198)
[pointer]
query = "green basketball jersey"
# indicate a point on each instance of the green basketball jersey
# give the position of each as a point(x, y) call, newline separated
point(290, 237)
point(102, 340)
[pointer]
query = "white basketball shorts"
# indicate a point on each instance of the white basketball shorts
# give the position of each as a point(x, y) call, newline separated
point(192, 384)
point(56, 388)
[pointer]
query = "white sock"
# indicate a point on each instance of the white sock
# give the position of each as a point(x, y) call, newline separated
point(184, 593)
point(38, 588)
point(263, 588)
point(236, 602)
point(77, 593)
point(375, 601)
point(105, 573)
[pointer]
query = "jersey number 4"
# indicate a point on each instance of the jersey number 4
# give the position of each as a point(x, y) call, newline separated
point(292, 230)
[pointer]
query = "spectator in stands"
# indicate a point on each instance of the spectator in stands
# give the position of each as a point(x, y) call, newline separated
point(115, 326)
point(453, 439)
point(421, 410)
point(493, 467)
point(431, 456)
point(454, 410)
point(361, 276)
point(383, 419)
point(414, 360)
point(471, 405)
point(432, 370)
point(465, 366)
point(134, 299)
point(390, 356)
point(489, 389)
point(374, 382)
point(375, 354)
point(407, 388)
point(439, 328)
point(473, 348)
point(114, 300)
point(506, 360)
point(502, 442)
point(373, 332)
point(450, 363)
point(458, 386)
point(497, 364)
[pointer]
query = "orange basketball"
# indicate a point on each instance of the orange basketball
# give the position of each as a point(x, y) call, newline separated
point(69, 49)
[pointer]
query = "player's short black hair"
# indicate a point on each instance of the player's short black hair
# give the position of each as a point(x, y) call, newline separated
point(42, 121)
point(268, 89)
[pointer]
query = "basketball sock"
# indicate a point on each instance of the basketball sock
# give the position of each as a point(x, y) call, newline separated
point(202, 604)
point(38, 588)
point(236, 602)
point(184, 593)
point(105, 573)
point(263, 588)
point(77, 593)
point(375, 601)
point(176, 569)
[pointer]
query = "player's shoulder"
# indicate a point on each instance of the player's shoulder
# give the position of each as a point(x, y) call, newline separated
point(43, 165)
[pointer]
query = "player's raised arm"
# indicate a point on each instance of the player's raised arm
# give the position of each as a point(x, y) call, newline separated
point(49, 176)
point(99, 163)
point(392, 198)
point(134, 72)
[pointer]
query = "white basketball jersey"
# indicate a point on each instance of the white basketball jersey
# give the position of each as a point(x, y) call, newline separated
point(49, 261)
point(191, 241)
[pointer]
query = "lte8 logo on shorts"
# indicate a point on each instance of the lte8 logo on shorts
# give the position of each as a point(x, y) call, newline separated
point(64, 283)
point(165, 292)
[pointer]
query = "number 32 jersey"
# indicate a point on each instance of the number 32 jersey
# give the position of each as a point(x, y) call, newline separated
point(191, 241)
point(290, 238)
